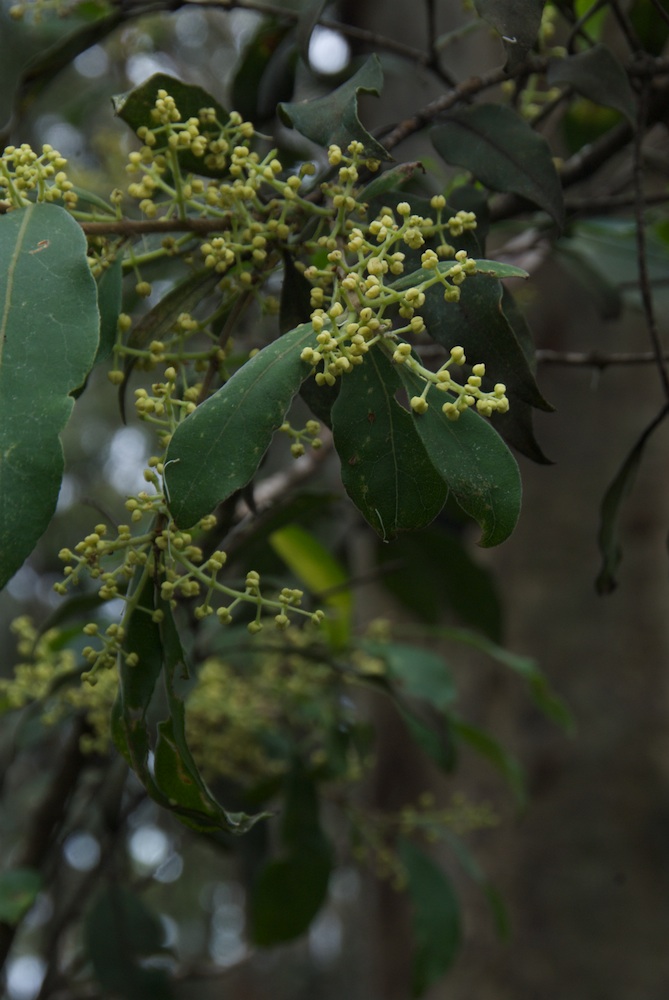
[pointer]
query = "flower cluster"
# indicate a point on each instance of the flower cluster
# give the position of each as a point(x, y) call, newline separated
point(27, 176)
point(247, 717)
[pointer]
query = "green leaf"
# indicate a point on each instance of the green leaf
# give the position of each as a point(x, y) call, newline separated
point(32, 55)
point(334, 119)
point(49, 328)
point(295, 297)
point(598, 75)
point(432, 736)
point(503, 152)
point(290, 890)
point(174, 781)
point(473, 461)
point(18, 891)
point(385, 468)
point(490, 268)
point(615, 496)
point(317, 569)
point(391, 180)
point(501, 759)
point(218, 448)
point(120, 934)
point(109, 303)
point(516, 21)
point(434, 571)
point(135, 108)
point(478, 324)
point(436, 924)
point(266, 72)
point(419, 672)
point(308, 19)
point(472, 868)
point(517, 425)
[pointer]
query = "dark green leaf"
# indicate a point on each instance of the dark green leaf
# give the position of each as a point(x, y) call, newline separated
point(435, 571)
point(477, 323)
point(49, 329)
point(436, 926)
point(602, 294)
point(385, 468)
point(391, 180)
point(291, 890)
point(218, 448)
point(475, 872)
point(135, 108)
point(432, 736)
point(489, 268)
point(503, 152)
point(18, 891)
point(32, 55)
point(517, 21)
point(308, 19)
point(265, 74)
point(419, 672)
point(295, 297)
point(473, 461)
point(501, 759)
point(109, 304)
point(120, 933)
point(598, 75)
point(287, 896)
point(617, 493)
point(517, 425)
point(334, 119)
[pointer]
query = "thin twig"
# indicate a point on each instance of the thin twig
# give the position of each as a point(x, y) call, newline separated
point(664, 14)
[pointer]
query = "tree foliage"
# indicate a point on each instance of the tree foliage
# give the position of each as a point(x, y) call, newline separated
point(264, 305)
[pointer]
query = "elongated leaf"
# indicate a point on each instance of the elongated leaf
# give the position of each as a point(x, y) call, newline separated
point(32, 55)
point(470, 865)
point(391, 180)
point(419, 672)
point(291, 890)
point(316, 568)
point(120, 934)
point(615, 496)
point(436, 926)
point(385, 468)
point(49, 329)
point(109, 304)
point(218, 448)
point(473, 461)
point(517, 21)
point(478, 324)
point(308, 20)
point(174, 781)
point(432, 569)
point(502, 152)
point(266, 72)
point(491, 268)
point(135, 107)
point(501, 759)
point(598, 75)
point(517, 425)
point(334, 119)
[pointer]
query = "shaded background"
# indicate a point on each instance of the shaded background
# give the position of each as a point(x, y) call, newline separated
point(584, 870)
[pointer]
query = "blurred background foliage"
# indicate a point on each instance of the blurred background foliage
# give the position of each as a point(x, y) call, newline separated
point(566, 899)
